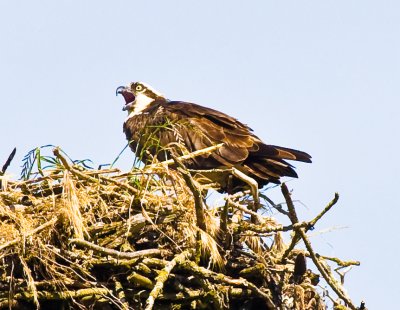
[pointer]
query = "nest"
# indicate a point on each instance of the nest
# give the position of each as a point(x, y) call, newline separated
point(77, 238)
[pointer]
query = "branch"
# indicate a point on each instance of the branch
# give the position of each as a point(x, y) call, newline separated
point(244, 209)
point(120, 293)
point(197, 195)
point(117, 254)
point(163, 276)
point(221, 278)
point(61, 295)
point(8, 161)
point(266, 228)
point(194, 154)
point(296, 238)
point(324, 272)
point(83, 176)
point(326, 209)
point(340, 262)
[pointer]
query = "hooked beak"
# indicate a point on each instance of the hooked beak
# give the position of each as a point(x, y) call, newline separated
point(119, 90)
point(128, 96)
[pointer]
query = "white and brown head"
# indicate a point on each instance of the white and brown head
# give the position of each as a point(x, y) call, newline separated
point(138, 97)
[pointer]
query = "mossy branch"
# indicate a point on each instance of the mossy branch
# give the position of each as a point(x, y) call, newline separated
point(163, 276)
point(337, 288)
point(117, 254)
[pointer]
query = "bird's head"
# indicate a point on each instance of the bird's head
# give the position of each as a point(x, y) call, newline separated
point(138, 96)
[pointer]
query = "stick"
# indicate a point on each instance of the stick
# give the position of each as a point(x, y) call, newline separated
point(324, 272)
point(120, 293)
point(197, 195)
point(83, 176)
point(310, 224)
point(8, 161)
point(326, 209)
point(163, 276)
point(118, 254)
point(246, 210)
point(194, 154)
point(221, 278)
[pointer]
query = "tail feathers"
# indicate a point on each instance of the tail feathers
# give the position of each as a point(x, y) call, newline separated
point(279, 152)
point(269, 170)
point(268, 163)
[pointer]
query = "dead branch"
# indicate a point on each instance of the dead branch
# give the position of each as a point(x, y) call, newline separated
point(163, 276)
point(197, 195)
point(117, 254)
point(8, 161)
point(324, 272)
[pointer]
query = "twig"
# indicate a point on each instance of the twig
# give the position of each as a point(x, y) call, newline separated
point(221, 278)
point(343, 273)
point(207, 150)
point(212, 293)
point(246, 210)
point(118, 254)
point(277, 207)
point(163, 276)
point(197, 195)
point(120, 293)
point(83, 176)
point(310, 225)
point(224, 224)
point(266, 228)
point(60, 295)
point(322, 213)
point(5, 166)
point(8, 161)
point(340, 262)
point(324, 272)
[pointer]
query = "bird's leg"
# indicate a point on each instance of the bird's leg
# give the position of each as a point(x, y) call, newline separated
point(253, 187)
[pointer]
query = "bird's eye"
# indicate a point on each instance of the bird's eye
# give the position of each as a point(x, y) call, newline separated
point(139, 87)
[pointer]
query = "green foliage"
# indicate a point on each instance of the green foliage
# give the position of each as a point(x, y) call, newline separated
point(37, 160)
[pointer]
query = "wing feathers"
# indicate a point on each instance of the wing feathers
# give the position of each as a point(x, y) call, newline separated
point(200, 127)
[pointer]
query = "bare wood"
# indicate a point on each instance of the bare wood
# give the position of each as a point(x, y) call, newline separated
point(207, 150)
point(118, 254)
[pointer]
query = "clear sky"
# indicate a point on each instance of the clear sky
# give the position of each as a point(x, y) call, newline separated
point(320, 76)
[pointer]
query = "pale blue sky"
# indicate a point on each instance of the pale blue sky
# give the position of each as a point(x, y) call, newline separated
point(321, 76)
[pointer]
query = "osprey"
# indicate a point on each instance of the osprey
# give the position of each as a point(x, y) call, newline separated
point(155, 125)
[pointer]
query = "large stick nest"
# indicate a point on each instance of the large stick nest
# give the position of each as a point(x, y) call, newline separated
point(72, 238)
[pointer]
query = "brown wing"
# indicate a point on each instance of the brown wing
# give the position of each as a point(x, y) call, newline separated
point(242, 149)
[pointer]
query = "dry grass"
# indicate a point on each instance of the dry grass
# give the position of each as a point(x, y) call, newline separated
point(72, 238)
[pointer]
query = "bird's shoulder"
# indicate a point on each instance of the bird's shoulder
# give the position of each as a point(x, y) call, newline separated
point(197, 112)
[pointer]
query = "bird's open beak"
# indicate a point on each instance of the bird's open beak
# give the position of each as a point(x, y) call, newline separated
point(128, 96)
point(119, 90)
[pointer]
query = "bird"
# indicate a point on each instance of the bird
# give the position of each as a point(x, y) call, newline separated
point(157, 127)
